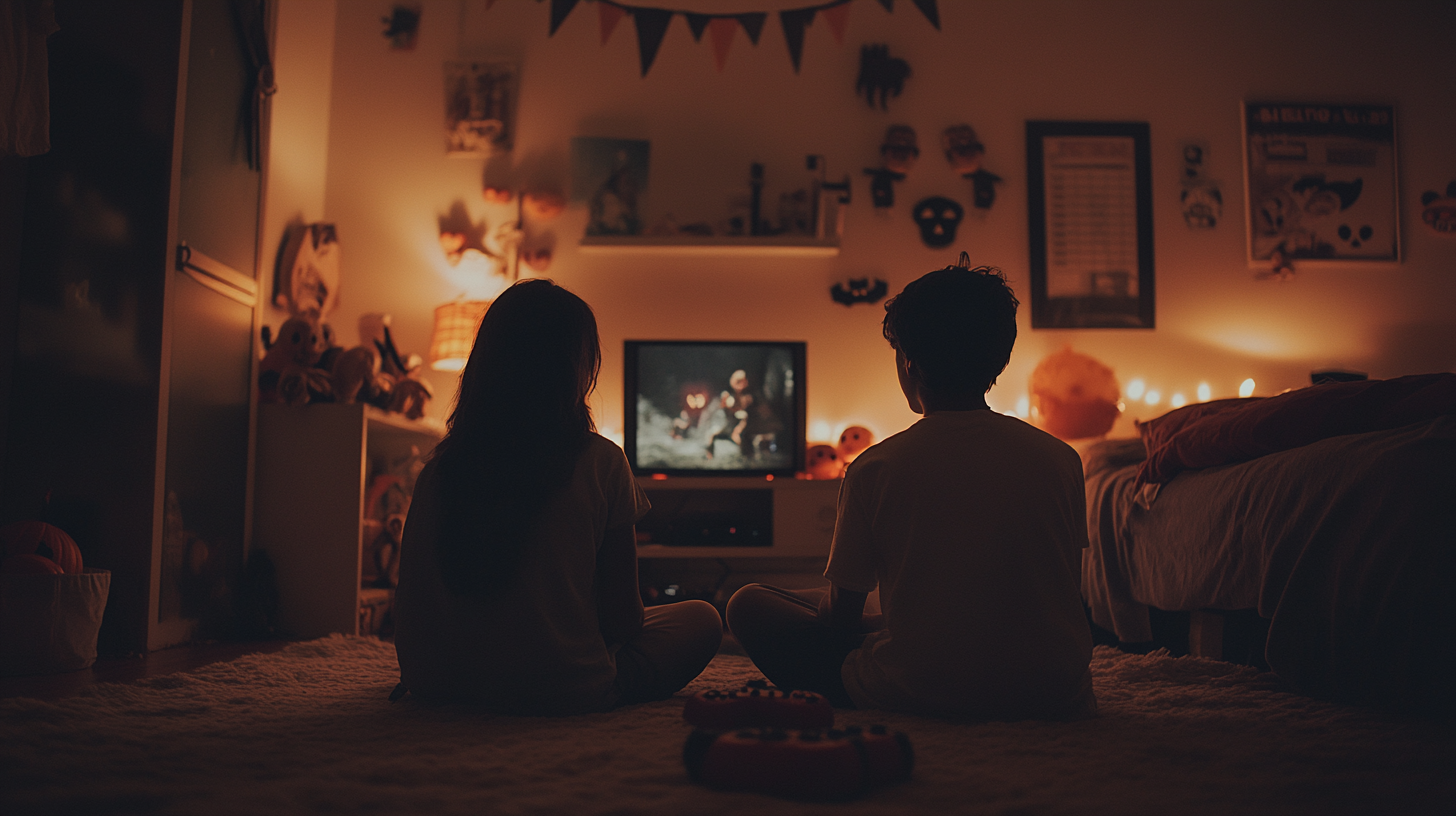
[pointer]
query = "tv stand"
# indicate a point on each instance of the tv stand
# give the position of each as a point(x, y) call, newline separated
point(737, 517)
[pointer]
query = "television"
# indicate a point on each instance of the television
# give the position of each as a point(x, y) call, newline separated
point(714, 407)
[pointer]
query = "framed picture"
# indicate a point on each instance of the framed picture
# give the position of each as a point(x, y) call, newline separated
point(1320, 182)
point(1089, 200)
point(610, 175)
point(480, 107)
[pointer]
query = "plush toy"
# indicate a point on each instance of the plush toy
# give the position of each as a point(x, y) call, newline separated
point(823, 462)
point(853, 442)
point(356, 375)
point(36, 538)
point(410, 397)
point(1073, 396)
point(292, 357)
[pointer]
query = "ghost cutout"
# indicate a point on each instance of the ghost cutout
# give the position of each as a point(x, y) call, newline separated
point(938, 218)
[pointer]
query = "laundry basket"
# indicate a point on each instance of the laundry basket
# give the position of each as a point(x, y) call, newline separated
point(48, 623)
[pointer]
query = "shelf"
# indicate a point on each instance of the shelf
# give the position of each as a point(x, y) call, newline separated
point(798, 246)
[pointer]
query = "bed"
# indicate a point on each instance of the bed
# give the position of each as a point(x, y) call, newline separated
point(1330, 511)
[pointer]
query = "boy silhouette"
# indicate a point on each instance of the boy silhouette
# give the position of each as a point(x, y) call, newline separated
point(971, 525)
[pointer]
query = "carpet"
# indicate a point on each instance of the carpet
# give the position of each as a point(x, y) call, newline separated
point(309, 730)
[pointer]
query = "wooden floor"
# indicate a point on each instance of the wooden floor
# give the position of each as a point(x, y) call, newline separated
point(126, 669)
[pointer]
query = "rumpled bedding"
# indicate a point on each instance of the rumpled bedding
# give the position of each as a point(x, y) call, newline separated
point(1347, 545)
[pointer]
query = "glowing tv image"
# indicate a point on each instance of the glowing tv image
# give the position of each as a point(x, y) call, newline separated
point(715, 408)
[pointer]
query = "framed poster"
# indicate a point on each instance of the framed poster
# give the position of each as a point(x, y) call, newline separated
point(1320, 182)
point(480, 107)
point(1089, 199)
point(610, 175)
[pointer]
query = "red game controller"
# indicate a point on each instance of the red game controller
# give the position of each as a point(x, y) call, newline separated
point(806, 764)
point(757, 704)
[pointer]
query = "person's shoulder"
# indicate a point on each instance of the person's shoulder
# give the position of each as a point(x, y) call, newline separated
point(1040, 447)
point(600, 448)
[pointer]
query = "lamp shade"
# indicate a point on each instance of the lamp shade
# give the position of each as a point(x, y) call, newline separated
point(455, 326)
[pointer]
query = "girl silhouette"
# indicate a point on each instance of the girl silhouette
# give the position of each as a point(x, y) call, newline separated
point(518, 568)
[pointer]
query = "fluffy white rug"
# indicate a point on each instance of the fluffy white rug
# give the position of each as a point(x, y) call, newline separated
point(309, 730)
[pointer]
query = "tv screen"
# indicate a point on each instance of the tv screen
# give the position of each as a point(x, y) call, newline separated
point(714, 408)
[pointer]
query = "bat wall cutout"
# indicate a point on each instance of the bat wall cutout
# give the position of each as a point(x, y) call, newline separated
point(859, 290)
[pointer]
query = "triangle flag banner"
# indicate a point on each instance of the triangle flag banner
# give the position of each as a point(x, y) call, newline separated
point(837, 16)
point(722, 29)
point(608, 15)
point(696, 24)
point(927, 7)
point(794, 22)
point(651, 26)
point(752, 24)
point(559, 10)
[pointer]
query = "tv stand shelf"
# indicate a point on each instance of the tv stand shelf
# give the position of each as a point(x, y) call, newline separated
point(795, 515)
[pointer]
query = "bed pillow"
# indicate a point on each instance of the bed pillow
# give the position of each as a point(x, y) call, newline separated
point(1236, 430)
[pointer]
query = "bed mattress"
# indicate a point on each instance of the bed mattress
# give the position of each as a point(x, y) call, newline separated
point(1347, 545)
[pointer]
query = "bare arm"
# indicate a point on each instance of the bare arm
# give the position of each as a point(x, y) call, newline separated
point(619, 602)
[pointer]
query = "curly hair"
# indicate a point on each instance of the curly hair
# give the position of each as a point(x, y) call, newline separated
point(956, 326)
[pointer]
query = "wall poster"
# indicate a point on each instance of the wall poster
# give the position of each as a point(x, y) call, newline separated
point(480, 107)
point(1320, 182)
point(1089, 199)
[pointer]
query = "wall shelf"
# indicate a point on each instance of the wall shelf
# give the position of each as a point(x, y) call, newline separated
point(799, 246)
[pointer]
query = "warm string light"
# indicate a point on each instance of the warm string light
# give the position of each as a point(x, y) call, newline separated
point(1137, 390)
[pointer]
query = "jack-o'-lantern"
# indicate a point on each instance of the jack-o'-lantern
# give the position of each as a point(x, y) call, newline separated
point(853, 442)
point(822, 462)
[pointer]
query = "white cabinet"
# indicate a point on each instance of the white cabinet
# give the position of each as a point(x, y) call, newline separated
point(737, 517)
point(313, 466)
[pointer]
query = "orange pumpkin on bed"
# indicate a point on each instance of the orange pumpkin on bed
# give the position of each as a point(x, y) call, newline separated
point(26, 540)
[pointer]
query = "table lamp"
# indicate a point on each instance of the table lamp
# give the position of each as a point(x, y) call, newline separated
point(455, 326)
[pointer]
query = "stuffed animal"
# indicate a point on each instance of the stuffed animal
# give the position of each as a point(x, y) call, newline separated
point(356, 375)
point(410, 397)
point(823, 462)
point(295, 352)
point(853, 442)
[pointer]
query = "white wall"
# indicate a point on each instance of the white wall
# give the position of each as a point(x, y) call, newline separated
point(298, 160)
point(1184, 67)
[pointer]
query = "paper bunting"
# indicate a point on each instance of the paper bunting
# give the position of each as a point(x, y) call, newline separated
point(609, 15)
point(559, 10)
point(652, 23)
point(651, 26)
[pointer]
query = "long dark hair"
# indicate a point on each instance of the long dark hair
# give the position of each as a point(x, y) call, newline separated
point(520, 422)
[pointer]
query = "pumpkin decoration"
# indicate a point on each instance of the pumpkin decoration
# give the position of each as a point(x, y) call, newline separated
point(853, 442)
point(822, 462)
point(40, 539)
point(29, 564)
point(1074, 396)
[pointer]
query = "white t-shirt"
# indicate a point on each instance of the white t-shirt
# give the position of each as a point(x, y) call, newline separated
point(537, 647)
point(971, 523)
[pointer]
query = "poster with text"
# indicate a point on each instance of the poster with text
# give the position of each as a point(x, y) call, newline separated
point(1321, 182)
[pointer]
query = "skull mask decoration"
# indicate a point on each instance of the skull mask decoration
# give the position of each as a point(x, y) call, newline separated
point(938, 218)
